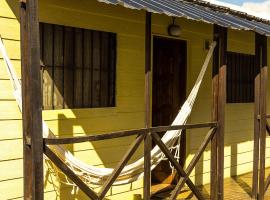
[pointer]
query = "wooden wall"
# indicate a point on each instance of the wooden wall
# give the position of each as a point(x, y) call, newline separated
point(129, 110)
point(10, 117)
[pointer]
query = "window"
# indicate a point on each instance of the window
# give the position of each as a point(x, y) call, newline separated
point(240, 77)
point(78, 67)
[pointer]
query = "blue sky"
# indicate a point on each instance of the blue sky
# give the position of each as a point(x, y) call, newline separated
point(240, 2)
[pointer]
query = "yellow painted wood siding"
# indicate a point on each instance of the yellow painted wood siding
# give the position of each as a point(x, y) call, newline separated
point(129, 110)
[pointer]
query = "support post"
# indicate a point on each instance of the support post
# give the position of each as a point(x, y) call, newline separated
point(31, 101)
point(256, 146)
point(260, 104)
point(218, 112)
point(147, 141)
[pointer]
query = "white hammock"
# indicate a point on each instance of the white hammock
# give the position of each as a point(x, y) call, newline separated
point(131, 172)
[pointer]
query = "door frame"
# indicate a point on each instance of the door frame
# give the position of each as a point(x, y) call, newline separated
point(183, 136)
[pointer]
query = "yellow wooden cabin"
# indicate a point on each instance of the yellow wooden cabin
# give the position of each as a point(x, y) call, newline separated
point(93, 58)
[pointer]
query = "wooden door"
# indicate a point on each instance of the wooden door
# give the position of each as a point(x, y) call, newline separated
point(169, 90)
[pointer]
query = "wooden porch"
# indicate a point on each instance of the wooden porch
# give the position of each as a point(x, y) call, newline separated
point(235, 188)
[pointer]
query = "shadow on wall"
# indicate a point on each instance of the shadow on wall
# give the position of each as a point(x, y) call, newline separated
point(238, 146)
point(15, 7)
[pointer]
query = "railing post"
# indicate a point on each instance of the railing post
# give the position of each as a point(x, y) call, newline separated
point(218, 112)
point(262, 132)
point(213, 176)
point(147, 141)
point(261, 57)
point(31, 101)
point(220, 132)
point(147, 166)
point(256, 146)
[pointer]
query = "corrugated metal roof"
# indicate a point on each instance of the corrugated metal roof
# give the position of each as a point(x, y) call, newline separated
point(234, 10)
point(191, 10)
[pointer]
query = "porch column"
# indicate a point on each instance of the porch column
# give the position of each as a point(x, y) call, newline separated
point(31, 101)
point(218, 112)
point(147, 141)
point(260, 95)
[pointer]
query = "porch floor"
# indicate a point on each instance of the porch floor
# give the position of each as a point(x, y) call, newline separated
point(235, 188)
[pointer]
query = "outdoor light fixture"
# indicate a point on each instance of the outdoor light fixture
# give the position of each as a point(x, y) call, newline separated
point(174, 30)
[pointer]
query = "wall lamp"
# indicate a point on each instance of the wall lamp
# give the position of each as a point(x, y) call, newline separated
point(174, 29)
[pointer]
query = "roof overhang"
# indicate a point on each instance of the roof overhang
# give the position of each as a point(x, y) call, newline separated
point(196, 10)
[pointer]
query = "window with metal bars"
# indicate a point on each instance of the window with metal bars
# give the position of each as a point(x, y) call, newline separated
point(78, 67)
point(240, 77)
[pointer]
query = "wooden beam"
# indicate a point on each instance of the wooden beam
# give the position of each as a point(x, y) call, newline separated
point(32, 104)
point(107, 185)
point(256, 144)
point(213, 175)
point(220, 132)
point(262, 132)
point(69, 173)
point(118, 134)
point(260, 124)
point(218, 112)
point(147, 166)
point(221, 111)
point(263, 98)
point(148, 47)
point(147, 140)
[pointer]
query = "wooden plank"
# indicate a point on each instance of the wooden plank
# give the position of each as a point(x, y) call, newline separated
point(267, 116)
point(192, 164)
point(148, 36)
point(221, 112)
point(178, 167)
point(96, 137)
point(69, 173)
point(184, 127)
point(58, 54)
point(147, 142)
point(219, 99)
point(260, 105)
point(221, 127)
point(41, 39)
point(32, 102)
point(78, 67)
point(68, 67)
point(256, 121)
point(147, 166)
point(117, 170)
point(263, 97)
point(215, 70)
point(27, 162)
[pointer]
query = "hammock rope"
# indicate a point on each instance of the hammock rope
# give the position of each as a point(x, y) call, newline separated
point(133, 171)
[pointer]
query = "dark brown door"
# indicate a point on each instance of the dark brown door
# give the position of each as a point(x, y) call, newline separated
point(169, 89)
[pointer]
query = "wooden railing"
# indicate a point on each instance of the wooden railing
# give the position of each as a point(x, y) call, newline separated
point(141, 135)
